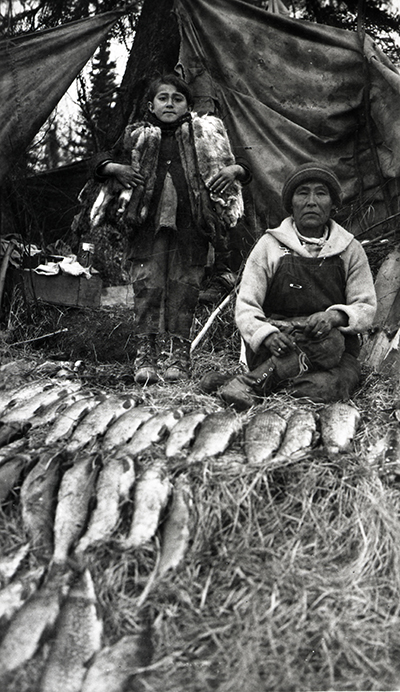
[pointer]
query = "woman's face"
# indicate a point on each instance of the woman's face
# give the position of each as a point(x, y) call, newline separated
point(168, 104)
point(312, 206)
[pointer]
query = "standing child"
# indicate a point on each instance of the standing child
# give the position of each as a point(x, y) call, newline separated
point(171, 184)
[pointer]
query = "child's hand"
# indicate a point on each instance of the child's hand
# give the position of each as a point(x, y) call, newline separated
point(221, 180)
point(126, 175)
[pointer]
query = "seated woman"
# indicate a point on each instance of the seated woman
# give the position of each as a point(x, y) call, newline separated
point(306, 293)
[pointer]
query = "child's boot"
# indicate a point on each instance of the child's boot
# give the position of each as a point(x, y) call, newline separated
point(178, 362)
point(146, 360)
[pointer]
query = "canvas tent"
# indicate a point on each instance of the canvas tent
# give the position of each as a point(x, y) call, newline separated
point(291, 91)
point(288, 90)
point(36, 70)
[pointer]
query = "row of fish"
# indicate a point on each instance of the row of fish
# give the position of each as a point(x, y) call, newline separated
point(30, 602)
point(57, 511)
point(57, 489)
point(66, 608)
point(77, 418)
point(54, 485)
point(274, 440)
point(105, 434)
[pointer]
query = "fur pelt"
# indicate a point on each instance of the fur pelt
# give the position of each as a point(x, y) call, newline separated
point(204, 149)
point(214, 152)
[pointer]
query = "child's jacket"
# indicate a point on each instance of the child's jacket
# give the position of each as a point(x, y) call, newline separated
point(177, 161)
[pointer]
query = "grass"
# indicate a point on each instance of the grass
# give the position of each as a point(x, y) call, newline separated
point(292, 578)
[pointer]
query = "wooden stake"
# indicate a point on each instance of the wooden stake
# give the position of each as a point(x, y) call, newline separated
point(37, 338)
point(210, 320)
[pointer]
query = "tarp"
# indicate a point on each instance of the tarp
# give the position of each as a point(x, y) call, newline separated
point(292, 91)
point(35, 71)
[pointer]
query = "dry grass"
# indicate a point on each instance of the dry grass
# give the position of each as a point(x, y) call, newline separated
point(292, 578)
point(292, 583)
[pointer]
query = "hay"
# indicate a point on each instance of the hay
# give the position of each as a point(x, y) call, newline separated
point(292, 586)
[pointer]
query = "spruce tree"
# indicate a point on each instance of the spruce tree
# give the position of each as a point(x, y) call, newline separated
point(102, 93)
point(96, 98)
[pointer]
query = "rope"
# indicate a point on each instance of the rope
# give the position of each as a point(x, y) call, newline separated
point(303, 364)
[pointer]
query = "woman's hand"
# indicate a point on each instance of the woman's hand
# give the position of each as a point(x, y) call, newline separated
point(279, 344)
point(320, 324)
point(225, 177)
point(126, 175)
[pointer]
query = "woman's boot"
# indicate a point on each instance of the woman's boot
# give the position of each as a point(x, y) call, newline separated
point(145, 363)
point(248, 390)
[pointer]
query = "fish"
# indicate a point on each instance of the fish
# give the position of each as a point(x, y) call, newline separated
point(14, 595)
point(52, 368)
point(22, 412)
point(78, 639)
point(11, 397)
point(153, 430)
point(151, 495)
point(36, 617)
point(96, 422)
point(114, 665)
point(176, 527)
point(384, 453)
point(379, 451)
point(38, 498)
point(10, 450)
point(10, 433)
point(114, 483)
point(69, 418)
point(10, 563)
point(10, 473)
point(75, 493)
point(300, 435)
point(99, 207)
point(120, 432)
point(52, 412)
point(392, 451)
point(183, 433)
point(216, 433)
point(339, 423)
point(263, 436)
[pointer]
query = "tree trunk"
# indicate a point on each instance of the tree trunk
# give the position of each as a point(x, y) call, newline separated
point(154, 52)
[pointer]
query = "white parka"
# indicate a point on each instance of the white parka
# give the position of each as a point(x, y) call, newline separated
point(261, 265)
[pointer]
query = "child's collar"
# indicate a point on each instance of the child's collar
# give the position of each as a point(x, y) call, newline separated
point(168, 127)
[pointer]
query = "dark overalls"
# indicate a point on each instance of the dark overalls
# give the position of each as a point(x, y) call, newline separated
point(300, 287)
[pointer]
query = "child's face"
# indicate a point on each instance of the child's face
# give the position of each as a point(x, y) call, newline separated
point(168, 104)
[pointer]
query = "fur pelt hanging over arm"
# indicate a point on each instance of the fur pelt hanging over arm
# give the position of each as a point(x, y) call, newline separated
point(214, 152)
point(142, 141)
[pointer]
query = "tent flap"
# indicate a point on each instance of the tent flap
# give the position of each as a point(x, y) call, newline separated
point(290, 91)
point(35, 72)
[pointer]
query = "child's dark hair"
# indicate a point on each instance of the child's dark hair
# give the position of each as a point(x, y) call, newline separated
point(174, 81)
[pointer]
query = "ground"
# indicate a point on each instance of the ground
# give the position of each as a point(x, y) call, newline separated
point(291, 581)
